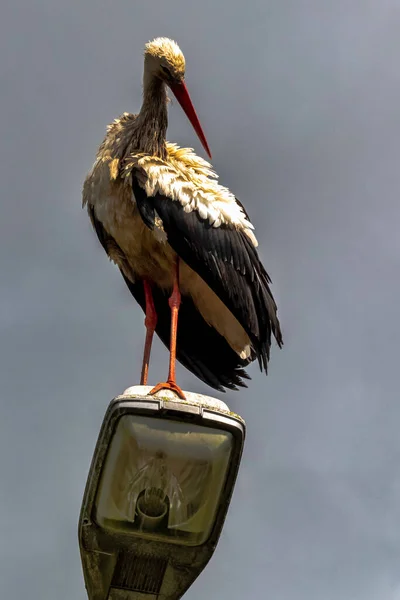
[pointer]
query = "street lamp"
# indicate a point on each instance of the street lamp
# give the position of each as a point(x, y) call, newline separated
point(157, 494)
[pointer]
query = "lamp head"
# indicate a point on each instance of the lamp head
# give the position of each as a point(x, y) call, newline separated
point(157, 494)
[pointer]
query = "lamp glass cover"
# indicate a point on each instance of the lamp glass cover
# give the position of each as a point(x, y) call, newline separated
point(163, 479)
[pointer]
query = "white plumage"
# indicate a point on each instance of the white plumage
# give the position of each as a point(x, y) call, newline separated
point(190, 180)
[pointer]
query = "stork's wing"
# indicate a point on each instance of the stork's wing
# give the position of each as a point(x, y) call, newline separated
point(225, 259)
point(212, 360)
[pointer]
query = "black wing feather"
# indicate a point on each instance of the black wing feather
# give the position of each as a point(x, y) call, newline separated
point(228, 262)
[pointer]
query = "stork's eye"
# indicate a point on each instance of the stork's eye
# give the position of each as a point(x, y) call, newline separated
point(166, 71)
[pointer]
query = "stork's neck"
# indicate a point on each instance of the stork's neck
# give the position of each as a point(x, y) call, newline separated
point(152, 121)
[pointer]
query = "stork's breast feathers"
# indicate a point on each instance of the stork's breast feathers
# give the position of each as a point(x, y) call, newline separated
point(188, 179)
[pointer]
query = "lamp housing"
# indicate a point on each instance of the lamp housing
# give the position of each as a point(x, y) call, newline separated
point(157, 494)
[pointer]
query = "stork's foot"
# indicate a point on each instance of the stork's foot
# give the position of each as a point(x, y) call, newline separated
point(168, 385)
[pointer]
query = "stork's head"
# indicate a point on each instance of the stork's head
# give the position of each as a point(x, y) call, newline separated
point(165, 61)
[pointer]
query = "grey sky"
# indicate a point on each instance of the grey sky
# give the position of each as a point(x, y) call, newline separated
point(300, 101)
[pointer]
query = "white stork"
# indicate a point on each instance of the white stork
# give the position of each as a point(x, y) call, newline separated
point(175, 233)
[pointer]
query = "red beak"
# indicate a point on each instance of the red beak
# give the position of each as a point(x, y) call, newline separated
point(182, 95)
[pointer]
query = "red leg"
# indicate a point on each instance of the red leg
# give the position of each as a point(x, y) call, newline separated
point(150, 323)
point(174, 303)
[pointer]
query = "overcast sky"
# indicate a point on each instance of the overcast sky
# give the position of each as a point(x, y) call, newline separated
point(300, 101)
